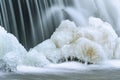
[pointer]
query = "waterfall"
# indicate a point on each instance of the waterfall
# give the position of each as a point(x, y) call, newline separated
point(33, 21)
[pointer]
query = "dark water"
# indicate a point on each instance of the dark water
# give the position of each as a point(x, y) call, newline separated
point(73, 75)
point(33, 21)
point(28, 19)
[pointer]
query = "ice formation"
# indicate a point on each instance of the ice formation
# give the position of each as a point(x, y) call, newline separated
point(11, 51)
point(92, 44)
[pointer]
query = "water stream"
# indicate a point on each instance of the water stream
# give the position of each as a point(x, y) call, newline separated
point(33, 21)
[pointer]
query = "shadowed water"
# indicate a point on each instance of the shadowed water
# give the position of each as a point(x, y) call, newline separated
point(33, 21)
point(71, 75)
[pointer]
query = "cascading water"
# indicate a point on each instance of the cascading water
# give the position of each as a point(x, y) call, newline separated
point(33, 21)
point(89, 40)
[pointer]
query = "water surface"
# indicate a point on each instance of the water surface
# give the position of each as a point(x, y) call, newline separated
point(109, 74)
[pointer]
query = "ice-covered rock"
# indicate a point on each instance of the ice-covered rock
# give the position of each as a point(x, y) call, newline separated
point(106, 32)
point(64, 34)
point(91, 44)
point(84, 50)
point(13, 59)
point(47, 44)
point(43, 54)
point(34, 58)
point(89, 51)
point(11, 51)
point(9, 43)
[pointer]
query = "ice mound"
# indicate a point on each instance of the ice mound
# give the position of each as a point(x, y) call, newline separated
point(102, 33)
point(90, 44)
point(64, 34)
point(88, 51)
point(105, 30)
point(43, 54)
point(84, 50)
point(33, 58)
point(11, 51)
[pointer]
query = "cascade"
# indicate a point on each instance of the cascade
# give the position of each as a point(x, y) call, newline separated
point(33, 21)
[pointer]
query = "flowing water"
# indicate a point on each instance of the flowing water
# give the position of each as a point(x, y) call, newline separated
point(93, 75)
point(33, 21)
point(92, 39)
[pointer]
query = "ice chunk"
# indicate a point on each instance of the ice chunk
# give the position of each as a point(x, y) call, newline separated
point(68, 51)
point(47, 44)
point(53, 55)
point(89, 51)
point(2, 30)
point(11, 51)
point(8, 43)
point(50, 55)
point(34, 58)
point(64, 34)
point(13, 59)
point(107, 33)
point(97, 22)
point(49, 50)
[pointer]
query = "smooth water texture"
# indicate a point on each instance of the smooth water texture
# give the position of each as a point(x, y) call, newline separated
point(33, 21)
